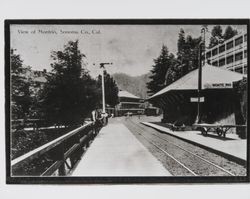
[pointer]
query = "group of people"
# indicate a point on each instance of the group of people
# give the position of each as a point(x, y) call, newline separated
point(100, 118)
point(97, 117)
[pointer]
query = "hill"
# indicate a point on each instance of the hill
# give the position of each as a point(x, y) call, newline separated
point(135, 85)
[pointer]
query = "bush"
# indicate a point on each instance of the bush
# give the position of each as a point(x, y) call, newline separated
point(24, 141)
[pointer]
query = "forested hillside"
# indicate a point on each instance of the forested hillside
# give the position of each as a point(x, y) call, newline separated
point(135, 85)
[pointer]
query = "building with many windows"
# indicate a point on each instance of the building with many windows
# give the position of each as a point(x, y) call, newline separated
point(129, 103)
point(231, 54)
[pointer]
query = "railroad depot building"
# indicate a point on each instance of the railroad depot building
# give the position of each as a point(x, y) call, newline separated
point(220, 102)
point(231, 54)
point(129, 103)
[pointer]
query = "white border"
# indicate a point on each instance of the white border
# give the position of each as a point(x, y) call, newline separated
point(56, 9)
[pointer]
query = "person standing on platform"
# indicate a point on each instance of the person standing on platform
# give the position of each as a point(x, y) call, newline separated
point(106, 115)
point(94, 115)
point(97, 119)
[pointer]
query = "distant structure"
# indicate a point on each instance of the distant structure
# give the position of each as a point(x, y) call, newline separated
point(152, 111)
point(231, 54)
point(129, 103)
point(38, 80)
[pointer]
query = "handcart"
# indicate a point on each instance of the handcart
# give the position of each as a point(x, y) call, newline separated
point(220, 129)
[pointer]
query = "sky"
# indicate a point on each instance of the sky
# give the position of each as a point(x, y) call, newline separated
point(131, 48)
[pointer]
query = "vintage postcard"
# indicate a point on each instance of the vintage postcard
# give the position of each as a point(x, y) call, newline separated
point(126, 101)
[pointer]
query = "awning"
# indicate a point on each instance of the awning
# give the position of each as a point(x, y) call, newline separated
point(212, 78)
point(127, 94)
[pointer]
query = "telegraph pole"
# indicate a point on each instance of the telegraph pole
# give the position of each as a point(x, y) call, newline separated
point(103, 87)
point(201, 45)
point(103, 93)
point(199, 81)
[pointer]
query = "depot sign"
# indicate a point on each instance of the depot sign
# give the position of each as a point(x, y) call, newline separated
point(196, 99)
point(218, 85)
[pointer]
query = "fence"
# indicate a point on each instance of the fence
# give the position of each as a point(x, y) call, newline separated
point(63, 153)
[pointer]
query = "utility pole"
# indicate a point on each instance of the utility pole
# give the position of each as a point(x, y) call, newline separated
point(202, 45)
point(103, 86)
point(199, 82)
point(204, 29)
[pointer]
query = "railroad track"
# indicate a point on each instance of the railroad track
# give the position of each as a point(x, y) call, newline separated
point(194, 164)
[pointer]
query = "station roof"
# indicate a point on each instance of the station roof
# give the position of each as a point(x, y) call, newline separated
point(40, 79)
point(127, 94)
point(212, 78)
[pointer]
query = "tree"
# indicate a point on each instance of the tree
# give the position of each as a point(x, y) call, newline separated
point(187, 55)
point(160, 67)
point(181, 44)
point(216, 35)
point(111, 89)
point(174, 72)
point(69, 94)
point(20, 92)
point(229, 33)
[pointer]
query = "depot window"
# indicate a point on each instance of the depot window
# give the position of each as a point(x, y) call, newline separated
point(238, 41)
point(230, 59)
point(215, 51)
point(230, 45)
point(215, 63)
point(245, 37)
point(222, 62)
point(222, 48)
point(245, 54)
point(239, 56)
point(239, 70)
point(245, 69)
point(208, 54)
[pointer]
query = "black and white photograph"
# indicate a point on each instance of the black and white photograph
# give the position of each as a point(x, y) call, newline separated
point(126, 101)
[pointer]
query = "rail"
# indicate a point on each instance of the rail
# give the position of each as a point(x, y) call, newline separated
point(64, 152)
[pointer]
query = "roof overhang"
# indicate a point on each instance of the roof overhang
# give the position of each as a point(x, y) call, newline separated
point(212, 78)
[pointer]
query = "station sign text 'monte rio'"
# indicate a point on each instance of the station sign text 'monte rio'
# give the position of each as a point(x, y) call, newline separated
point(218, 85)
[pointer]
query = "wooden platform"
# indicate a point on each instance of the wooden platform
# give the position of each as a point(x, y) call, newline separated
point(117, 152)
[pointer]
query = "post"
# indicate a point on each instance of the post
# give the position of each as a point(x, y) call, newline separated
point(201, 45)
point(204, 30)
point(61, 170)
point(103, 87)
point(199, 82)
point(103, 93)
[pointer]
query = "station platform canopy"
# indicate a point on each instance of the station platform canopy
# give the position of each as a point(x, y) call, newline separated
point(127, 94)
point(212, 78)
